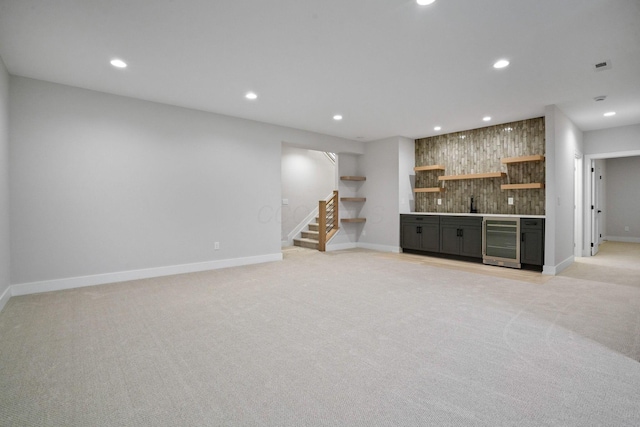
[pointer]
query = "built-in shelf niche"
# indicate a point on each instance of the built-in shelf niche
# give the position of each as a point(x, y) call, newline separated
point(353, 199)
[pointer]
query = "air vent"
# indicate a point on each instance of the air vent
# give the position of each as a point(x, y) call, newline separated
point(603, 65)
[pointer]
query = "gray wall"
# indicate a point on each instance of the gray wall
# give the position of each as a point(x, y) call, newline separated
point(406, 175)
point(4, 181)
point(103, 183)
point(307, 177)
point(563, 140)
point(622, 196)
point(613, 140)
point(380, 166)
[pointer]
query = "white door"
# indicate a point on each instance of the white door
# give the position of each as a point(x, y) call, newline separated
point(596, 207)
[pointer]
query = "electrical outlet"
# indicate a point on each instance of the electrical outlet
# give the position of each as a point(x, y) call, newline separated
point(216, 245)
point(285, 202)
point(510, 200)
point(626, 228)
point(439, 201)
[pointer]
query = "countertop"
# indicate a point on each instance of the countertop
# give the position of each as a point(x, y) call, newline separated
point(475, 214)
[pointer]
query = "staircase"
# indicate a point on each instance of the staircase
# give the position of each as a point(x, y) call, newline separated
point(324, 228)
point(310, 238)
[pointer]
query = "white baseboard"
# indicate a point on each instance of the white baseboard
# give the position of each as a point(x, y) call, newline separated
point(623, 239)
point(4, 298)
point(552, 270)
point(123, 276)
point(341, 246)
point(379, 248)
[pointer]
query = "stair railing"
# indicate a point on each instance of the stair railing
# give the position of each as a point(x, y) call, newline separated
point(327, 220)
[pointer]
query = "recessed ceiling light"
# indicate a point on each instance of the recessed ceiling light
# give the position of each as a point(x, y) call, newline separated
point(437, 128)
point(501, 63)
point(425, 2)
point(251, 95)
point(486, 118)
point(610, 113)
point(337, 117)
point(118, 63)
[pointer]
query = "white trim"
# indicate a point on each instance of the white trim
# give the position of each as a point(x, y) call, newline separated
point(380, 248)
point(5, 297)
point(552, 270)
point(341, 246)
point(101, 279)
point(623, 239)
point(587, 191)
point(613, 154)
point(298, 230)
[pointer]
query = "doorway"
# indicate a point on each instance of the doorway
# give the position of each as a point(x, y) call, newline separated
point(596, 230)
point(597, 205)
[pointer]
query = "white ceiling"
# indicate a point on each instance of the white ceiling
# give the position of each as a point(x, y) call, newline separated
point(390, 67)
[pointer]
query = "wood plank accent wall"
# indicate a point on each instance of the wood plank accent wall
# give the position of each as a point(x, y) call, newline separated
point(481, 151)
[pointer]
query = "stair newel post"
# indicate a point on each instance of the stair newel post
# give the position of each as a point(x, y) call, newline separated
point(322, 225)
point(335, 209)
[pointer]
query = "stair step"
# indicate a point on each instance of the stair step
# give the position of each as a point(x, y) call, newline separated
point(314, 227)
point(306, 243)
point(313, 235)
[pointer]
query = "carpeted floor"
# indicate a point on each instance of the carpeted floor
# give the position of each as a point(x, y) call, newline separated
point(349, 338)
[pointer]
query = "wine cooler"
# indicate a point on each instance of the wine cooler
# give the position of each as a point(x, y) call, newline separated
point(500, 241)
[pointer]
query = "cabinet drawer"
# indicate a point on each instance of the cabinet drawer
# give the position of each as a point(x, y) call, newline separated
point(424, 219)
point(461, 221)
point(535, 223)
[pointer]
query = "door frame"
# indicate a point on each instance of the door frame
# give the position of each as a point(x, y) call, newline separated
point(596, 207)
point(587, 231)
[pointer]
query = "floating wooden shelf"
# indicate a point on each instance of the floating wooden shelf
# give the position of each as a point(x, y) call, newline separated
point(521, 186)
point(353, 219)
point(536, 158)
point(472, 176)
point(353, 178)
point(429, 190)
point(353, 199)
point(429, 168)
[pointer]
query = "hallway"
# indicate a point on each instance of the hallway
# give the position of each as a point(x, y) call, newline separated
point(616, 262)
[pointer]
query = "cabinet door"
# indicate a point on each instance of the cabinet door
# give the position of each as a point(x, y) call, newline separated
point(411, 238)
point(431, 237)
point(449, 239)
point(531, 249)
point(471, 242)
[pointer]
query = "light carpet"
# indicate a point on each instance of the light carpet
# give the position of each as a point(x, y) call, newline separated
point(349, 338)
